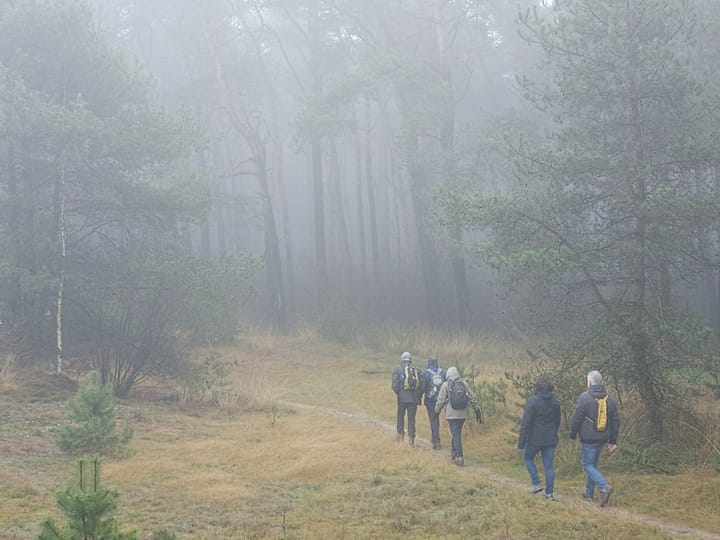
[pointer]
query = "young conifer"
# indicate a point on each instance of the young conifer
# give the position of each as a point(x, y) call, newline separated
point(92, 413)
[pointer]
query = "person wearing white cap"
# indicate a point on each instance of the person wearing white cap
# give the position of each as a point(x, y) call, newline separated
point(407, 383)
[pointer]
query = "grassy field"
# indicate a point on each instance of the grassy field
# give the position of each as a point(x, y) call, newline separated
point(302, 447)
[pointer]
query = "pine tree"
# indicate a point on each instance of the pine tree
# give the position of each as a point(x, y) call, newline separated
point(86, 506)
point(92, 412)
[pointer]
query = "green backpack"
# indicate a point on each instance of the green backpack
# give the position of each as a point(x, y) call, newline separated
point(410, 378)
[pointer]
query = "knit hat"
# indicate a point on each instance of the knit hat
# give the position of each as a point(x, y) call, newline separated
point(432, 362)
point(406, 357)
point(453, 373)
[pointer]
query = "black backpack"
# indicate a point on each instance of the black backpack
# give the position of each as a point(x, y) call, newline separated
point(458, 395)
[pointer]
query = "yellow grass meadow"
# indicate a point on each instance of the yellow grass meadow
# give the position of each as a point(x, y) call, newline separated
point(303, 447)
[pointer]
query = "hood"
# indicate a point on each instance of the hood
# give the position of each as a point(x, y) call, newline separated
point(406, 357)
point(453, 373)
point(597, 391)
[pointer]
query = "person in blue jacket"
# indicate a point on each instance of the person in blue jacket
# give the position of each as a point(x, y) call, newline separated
point(539, 434)
point(434, 376)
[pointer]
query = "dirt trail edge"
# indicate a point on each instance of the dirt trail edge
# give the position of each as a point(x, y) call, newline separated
point(672, 528)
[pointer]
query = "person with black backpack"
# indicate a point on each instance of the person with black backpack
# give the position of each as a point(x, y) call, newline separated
point(434, 376)
point(408, 385)
point(456, 395)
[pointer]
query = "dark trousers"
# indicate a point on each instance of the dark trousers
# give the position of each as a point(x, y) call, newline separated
point(456, 426)
point(411, 409)
point(434, 422)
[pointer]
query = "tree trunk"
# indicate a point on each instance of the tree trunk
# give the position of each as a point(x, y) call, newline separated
point(341, 230)
point(447, 136)
point(360, 207)
point(278, 175)
point(219, 197)
point(372, 202)
point(61, 274)
point(14, 230)
point(321, 275)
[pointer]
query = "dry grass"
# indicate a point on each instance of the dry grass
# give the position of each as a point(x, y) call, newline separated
point(284, 471)
point(8, 373)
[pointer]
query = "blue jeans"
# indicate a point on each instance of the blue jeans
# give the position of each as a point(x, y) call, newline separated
point(590, 455)
point(434, 421)
point(548, 454)
point(456, 425)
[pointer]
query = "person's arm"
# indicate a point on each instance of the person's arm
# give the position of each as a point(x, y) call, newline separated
point(441, 398)
point(525, 424)
point(396, 384)
point(578, 416)
point(473, 402)
point(614, 422)
point(557, 415)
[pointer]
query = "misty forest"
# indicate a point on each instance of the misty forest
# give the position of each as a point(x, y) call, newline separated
point(190, 185)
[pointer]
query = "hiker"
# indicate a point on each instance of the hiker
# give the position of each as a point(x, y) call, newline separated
point(407, 383)
point(455, 395)
point(434, 376)
point(597, 421)
point(539, 433)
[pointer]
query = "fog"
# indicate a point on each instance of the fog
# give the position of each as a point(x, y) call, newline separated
point(511, 167)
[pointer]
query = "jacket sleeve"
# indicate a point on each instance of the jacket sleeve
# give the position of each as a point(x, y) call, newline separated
point(442, 398)
point(557, 415)
point(395, 384)
point(471, 397)
point(614, 421)
point(578, 416)
point(527, 419)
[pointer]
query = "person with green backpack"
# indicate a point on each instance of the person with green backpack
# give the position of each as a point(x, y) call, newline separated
point(456, 395)
point(408, 385)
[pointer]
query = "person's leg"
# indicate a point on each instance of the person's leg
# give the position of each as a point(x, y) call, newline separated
point(434, 424)
point(456, 433)
point(529, 457)
point(400, 419)
point(548, 457)
point(590, 455)
point(411, 412)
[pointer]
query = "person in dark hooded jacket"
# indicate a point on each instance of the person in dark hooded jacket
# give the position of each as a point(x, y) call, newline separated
point(539, 433)
point(434, 376)
point(584, 422)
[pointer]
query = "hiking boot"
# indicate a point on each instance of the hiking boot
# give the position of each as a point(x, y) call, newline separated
point(587, 497)
point(436, 446)
point(605, 495)
point(412, 441)
point(399, 437)
point(535, 488)
point(549, 496)
point(459, 461)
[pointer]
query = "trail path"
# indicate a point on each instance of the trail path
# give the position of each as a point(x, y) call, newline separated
point(671, 528)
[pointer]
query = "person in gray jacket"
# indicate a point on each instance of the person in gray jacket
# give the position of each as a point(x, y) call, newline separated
point(456, 416)
point(584, 422)
point(407, 398)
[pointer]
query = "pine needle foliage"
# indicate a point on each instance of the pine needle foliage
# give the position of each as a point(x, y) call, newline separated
point(92, 414)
